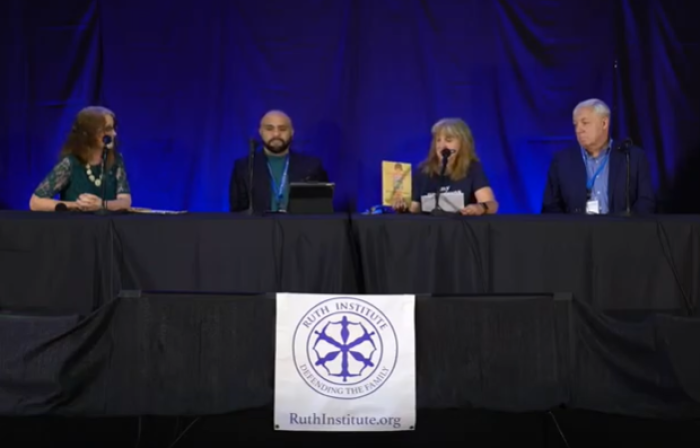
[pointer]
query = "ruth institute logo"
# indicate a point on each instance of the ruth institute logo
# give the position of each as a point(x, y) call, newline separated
point(345, 348)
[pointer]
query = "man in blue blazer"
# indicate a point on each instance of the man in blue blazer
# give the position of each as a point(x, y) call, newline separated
point(592, 177)
point(273, 168)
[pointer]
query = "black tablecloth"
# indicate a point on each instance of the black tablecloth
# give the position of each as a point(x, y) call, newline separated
point(74, 263)
point(235, 253)
point(91, 324)
point(54, 263)
point(169, 354)
point(611, 263)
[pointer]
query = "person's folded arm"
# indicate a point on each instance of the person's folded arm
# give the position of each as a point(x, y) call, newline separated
point(552, 200)
point(42, 200)
point(123, 201)
point(417, 179)
point(486, 196)
point(320, 173)
point(483, 193)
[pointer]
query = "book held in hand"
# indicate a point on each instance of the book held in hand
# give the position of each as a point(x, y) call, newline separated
point(396, 182)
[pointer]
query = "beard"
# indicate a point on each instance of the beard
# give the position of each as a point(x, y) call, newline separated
point(277, 149)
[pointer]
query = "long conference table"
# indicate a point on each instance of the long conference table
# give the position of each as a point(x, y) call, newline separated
point(113, 315)
point(76, 263)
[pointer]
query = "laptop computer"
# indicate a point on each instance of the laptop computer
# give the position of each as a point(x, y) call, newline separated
point(311, 198)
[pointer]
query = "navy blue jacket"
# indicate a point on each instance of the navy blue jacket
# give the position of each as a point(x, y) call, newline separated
point(302, 168)
point(565, 191)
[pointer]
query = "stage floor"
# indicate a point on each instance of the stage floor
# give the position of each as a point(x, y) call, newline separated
point(482, 429)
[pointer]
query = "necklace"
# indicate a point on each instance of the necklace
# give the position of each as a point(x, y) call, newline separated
point(95, 180)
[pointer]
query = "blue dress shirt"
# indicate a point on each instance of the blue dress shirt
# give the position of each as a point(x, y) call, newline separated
point(599, 190)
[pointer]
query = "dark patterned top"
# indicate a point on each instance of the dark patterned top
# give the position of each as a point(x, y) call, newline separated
point(69, 179)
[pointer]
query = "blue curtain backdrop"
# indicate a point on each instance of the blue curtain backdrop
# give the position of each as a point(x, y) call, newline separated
point(363, 81)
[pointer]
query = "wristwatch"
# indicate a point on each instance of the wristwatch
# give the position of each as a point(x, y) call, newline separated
point(485, 206)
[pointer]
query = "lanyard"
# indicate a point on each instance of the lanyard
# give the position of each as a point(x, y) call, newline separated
point(279, 190)
point(591, 179)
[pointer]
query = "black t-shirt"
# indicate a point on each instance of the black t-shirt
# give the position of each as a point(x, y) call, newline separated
point(475, 179)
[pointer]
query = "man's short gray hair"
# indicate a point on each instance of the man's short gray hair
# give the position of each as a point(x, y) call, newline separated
point(598, 106)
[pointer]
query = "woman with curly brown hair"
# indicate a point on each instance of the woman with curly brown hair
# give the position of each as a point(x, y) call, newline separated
point(78, 177)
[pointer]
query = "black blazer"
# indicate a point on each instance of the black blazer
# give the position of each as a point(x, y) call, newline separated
point(302, 168)
point(565, 191)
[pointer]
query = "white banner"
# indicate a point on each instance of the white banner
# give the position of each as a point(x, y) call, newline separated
point(345, 363)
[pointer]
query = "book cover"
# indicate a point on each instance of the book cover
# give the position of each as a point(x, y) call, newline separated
point(396, 182)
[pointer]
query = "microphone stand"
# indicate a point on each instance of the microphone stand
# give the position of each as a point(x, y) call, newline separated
point(628, 211)
point(251, 166)
point(103, 185)
point(437, 211)
point(626, 148)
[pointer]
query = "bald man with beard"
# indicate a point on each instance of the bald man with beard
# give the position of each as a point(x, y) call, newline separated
point(274, 167)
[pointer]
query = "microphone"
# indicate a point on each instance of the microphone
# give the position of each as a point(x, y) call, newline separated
point(625, 147)
point(252, 145)
point(445, 154)
point(106, 141)
point(61, 207)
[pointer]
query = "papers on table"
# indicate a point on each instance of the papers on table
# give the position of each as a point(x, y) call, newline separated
point(450, 201)
point(156, 212)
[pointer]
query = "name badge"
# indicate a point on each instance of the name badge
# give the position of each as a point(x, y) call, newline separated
point(592, 208)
